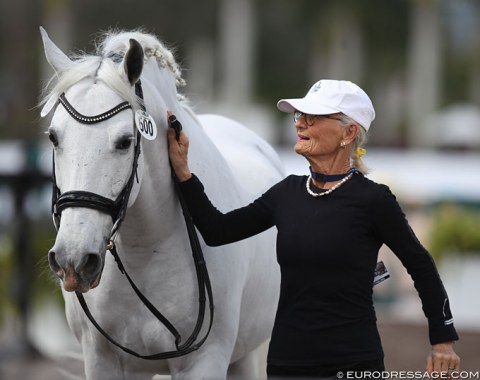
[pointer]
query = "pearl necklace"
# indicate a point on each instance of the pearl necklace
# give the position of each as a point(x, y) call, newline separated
point(313, 194)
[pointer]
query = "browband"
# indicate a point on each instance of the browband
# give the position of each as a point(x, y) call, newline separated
point(92, 119)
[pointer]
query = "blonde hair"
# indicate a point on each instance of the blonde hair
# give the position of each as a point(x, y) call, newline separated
point(360, 140)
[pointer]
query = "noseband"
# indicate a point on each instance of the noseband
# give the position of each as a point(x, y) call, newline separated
point(117, 210)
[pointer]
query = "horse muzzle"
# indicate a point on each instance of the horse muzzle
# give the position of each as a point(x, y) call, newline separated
point(81, 276)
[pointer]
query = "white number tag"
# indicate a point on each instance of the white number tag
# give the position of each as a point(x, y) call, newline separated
point(145, 125)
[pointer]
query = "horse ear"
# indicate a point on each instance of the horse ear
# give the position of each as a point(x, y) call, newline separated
point(55, 57)
point(133, 63)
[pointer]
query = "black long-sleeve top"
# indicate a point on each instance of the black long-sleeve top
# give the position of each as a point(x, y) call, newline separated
point(327, 249)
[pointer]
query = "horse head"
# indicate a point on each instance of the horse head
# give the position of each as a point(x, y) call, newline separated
point(97, 168)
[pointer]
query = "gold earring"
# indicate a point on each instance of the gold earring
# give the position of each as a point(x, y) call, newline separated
point(343, 144)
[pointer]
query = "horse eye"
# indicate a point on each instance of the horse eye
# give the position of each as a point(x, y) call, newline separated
point(53, 138)
point(124, 143)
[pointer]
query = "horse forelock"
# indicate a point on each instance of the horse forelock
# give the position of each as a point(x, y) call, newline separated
point(104, 66)
point(98, 69)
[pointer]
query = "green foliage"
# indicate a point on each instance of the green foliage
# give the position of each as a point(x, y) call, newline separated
point(35, 276)
point(45, 283)
point(456, 230)
point(6, 265)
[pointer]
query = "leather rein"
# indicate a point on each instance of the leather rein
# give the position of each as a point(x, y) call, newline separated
point(117, 210)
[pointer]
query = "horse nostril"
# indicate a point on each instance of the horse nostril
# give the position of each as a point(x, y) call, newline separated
point(91, 264)
point(54, 266)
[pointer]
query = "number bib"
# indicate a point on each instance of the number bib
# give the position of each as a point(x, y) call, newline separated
point(145, 125)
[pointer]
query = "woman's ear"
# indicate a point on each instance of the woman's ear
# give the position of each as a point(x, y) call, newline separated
point(350, 132)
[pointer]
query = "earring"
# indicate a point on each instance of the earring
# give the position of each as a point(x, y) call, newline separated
point(343, 144)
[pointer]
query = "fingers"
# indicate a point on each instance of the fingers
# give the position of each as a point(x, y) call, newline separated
point(443, 358)
point(180, 145)
point(178, 153)
point(172, 140)
point(175, 132)
point(429, 363)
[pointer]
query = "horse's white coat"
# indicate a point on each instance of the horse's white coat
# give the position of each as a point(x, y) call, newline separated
point(235, 166)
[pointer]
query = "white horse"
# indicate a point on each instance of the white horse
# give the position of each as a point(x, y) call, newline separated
point(235, 166)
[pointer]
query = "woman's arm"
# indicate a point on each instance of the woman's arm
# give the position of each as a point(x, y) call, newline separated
point(216, 227)
point(394, 230)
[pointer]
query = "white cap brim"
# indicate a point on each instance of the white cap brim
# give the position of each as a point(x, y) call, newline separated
point(305, 105)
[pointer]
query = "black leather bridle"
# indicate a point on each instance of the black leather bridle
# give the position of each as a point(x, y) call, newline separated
point(117, 210)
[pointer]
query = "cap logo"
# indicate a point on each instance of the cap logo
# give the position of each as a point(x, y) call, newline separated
point(316, 86)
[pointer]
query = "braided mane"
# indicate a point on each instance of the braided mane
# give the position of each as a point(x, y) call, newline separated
point(118, 43)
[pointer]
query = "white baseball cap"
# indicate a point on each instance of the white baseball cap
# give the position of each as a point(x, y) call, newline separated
point(332, 96)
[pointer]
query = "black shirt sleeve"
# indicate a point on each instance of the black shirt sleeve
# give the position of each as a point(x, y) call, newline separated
point(395, 231)
point(218, 228)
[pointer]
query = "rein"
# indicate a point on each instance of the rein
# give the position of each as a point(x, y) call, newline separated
point(117, 210)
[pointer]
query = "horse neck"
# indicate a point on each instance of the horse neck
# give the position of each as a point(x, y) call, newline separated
point(155, 216)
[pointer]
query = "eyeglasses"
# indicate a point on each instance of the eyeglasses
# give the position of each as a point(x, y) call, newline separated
point(310, 119)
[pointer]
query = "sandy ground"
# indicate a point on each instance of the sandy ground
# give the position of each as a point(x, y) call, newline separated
point(405, 345)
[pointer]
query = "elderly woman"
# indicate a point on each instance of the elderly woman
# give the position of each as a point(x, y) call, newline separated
point(331, 225)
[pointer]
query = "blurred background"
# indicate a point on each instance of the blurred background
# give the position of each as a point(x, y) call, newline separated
point(419, 60)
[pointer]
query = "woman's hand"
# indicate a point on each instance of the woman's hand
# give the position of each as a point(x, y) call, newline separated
point(443, 358)
point(178, 152)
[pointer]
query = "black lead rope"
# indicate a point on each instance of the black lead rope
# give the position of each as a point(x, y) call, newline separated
point(86, 199)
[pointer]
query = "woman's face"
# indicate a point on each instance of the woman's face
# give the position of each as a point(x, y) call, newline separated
point(322, 138)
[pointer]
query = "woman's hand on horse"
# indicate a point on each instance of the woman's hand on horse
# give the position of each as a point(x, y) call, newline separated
point(178, 152)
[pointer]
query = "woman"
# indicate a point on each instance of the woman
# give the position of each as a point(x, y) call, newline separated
point(331, 225)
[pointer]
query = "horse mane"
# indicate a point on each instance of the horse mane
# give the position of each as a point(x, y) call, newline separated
point(105, 65)
point(118, 43)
